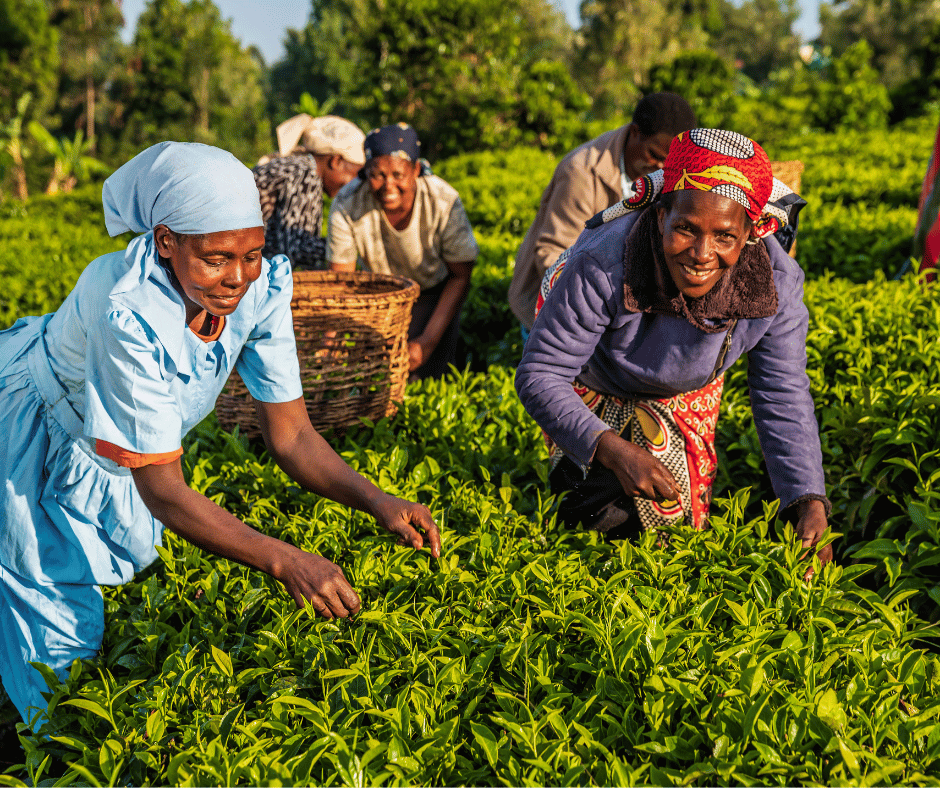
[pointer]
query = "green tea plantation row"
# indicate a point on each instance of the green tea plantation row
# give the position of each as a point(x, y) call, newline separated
point(529, 654)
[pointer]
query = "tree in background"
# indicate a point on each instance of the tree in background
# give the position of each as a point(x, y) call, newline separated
point(703, 79)
point(472, 75)
point(88, 49)
point(28, 57)
point(14, 149)
point(461, 73)
point(621, 40)
point(922, 90)
point(758, 35)
point(893, 29)
point(188, 78)
point(72, 159)
point(551, 107)
point(850, 94)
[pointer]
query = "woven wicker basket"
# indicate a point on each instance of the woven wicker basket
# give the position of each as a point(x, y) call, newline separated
point(352, 343)
point(790, 172)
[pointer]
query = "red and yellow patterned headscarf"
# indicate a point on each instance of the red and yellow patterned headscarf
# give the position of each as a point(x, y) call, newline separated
point(723, 162)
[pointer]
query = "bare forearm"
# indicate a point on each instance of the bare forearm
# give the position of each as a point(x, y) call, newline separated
point(208, 526)
point(452, 298)
point(306, 577)
point(329, 475)
point(308, 459)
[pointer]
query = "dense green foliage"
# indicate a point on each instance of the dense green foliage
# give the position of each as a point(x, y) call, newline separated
point(705, 80)
point(922, 89)
point(526, 655)
point(28, 55)
point(472, 75)
point(45, 246)
point(874, 367)
point(759, 35)
point(529, 654)
point(192, 80)
point(88, 48)
point(896, 31)
point(850, 96)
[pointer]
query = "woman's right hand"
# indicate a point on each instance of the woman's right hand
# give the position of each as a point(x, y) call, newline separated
point(321, 582)
point(202, 522)
point(639, 473)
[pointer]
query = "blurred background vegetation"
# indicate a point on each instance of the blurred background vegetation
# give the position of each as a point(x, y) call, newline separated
point(472, 76)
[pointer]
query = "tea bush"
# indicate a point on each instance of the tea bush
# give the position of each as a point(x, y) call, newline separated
point(45, 244)
point(876, 174)
point(856, 241)
point(530, 654)
point(500, 189)
point(526, 655)
point(874, 366)
point(488, 328)
point(867, 167)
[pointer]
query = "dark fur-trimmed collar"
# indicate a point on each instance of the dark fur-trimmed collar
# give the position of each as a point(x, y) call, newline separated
point(745, 291)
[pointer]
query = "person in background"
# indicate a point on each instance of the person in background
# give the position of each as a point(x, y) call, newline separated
point(927, 234)
point(588, 180)
point(637, 325)
point(316, 155)
point(98, 396)
point(398, 218)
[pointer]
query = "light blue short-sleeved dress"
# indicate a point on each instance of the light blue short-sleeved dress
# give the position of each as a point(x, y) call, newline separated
point(114, 363)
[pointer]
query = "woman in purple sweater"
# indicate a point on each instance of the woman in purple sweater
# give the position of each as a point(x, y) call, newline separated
point(660, 295)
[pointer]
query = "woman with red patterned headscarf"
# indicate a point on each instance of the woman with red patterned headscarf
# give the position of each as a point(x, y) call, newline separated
point(637, 325)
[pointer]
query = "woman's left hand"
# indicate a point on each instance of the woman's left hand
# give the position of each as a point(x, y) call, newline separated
point(811, 527)
point(406, 519)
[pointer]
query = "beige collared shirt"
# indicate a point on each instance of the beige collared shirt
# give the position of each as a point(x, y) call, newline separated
point(439, 233)
point(586, 181)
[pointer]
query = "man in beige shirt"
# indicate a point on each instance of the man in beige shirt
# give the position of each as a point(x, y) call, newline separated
point(588, 180)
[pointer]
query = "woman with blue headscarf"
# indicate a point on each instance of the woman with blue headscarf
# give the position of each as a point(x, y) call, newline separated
point(98, 396)
point(399, 218)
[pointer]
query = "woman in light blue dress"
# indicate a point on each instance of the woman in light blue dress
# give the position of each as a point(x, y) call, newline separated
point(97, 397)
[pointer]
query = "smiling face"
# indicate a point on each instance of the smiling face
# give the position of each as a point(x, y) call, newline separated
point(394, 183)
point(213, 271)
point(703, 236)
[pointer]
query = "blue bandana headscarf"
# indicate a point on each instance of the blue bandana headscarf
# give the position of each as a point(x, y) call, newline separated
point(193, 189)
point(399, 140)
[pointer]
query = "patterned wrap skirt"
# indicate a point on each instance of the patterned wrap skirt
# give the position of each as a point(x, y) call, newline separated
point(679, 432)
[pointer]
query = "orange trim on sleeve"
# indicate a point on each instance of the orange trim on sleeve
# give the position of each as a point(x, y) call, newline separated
point(132, 459)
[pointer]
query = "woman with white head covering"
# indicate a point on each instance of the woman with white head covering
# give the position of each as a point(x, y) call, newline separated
point(317, 155)
point(98, 396)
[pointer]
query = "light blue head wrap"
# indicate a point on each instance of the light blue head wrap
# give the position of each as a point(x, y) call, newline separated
point(190, 188)
point(193, 189)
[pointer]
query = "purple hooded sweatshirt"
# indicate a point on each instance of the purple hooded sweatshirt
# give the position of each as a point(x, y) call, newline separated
point(585, 332)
